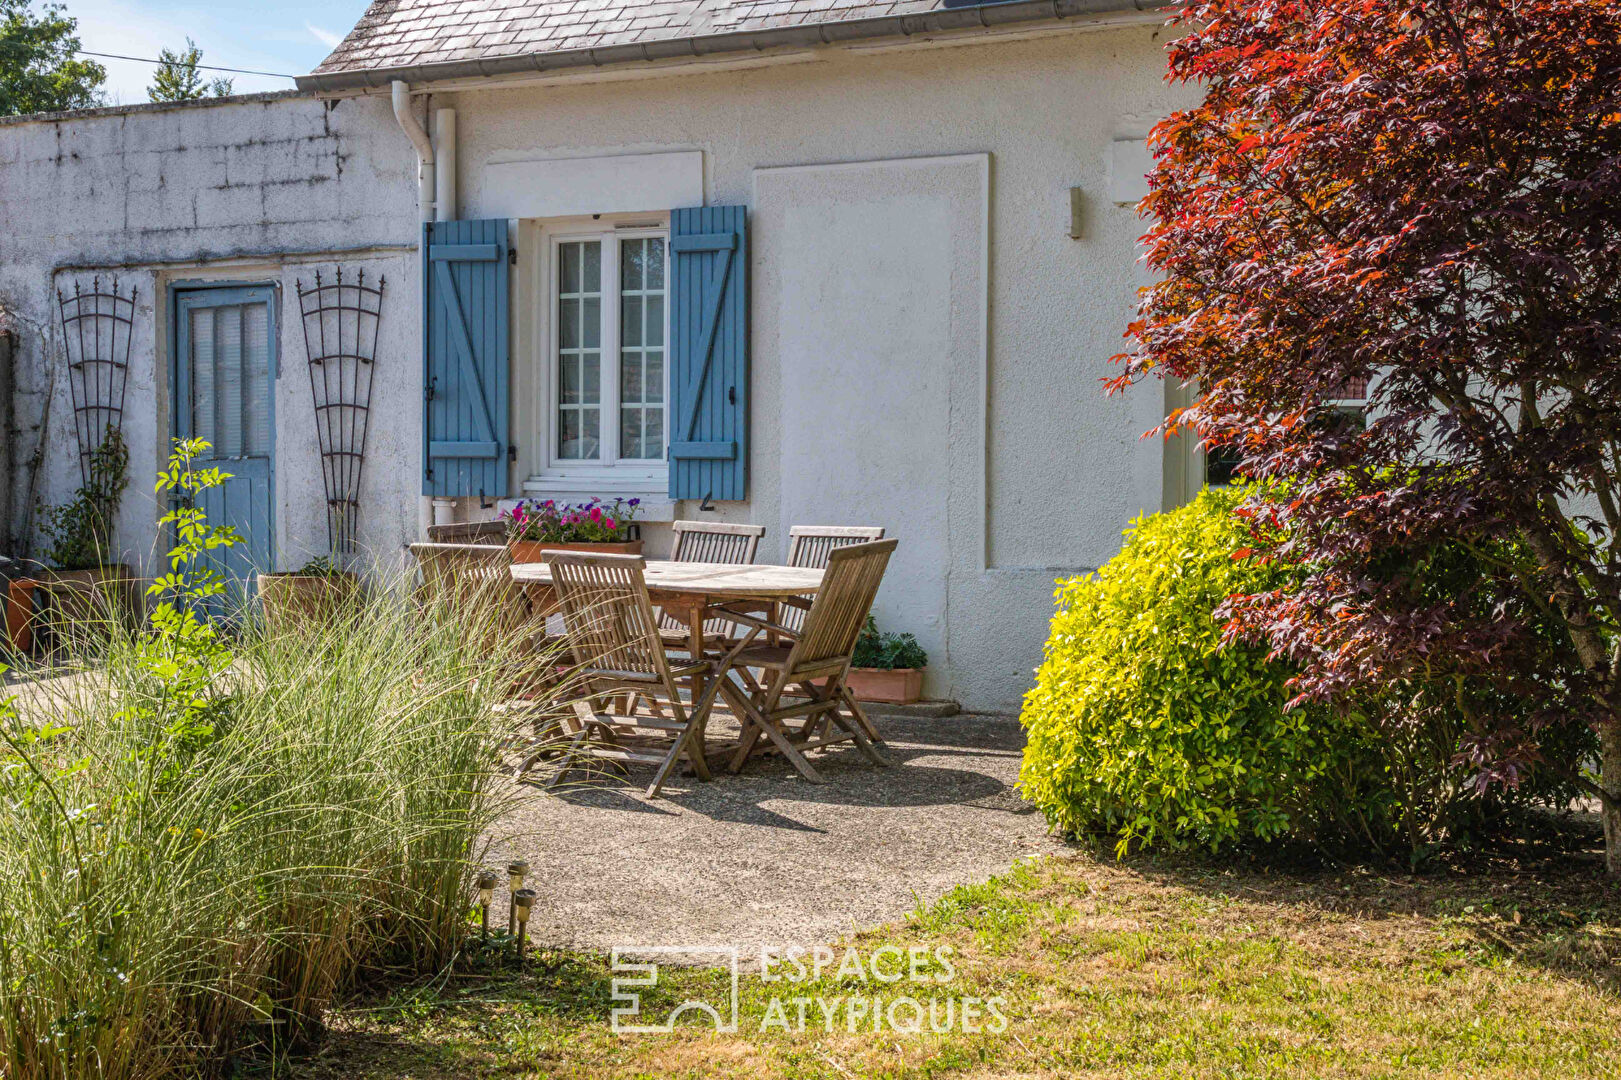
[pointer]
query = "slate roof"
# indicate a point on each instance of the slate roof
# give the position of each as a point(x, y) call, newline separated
point(411, 33)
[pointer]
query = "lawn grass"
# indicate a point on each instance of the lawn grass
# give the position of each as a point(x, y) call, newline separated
point(1145, 968)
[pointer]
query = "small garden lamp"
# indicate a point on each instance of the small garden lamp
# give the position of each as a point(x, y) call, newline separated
point(517, 870)
point(522, 901)
point(486, 890)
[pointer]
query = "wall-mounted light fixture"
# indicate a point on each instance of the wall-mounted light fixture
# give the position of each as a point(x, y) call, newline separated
point(1077, 213)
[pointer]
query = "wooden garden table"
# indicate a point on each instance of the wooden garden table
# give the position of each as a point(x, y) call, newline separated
point(685, 589)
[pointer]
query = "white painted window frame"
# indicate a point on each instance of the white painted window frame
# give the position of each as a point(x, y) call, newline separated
point(608, 477)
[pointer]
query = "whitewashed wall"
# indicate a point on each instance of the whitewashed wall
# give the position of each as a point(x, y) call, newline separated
point(264, 190)
point(954, 332)
point(927, 346)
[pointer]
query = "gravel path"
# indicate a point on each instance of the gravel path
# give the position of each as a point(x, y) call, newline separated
point(764, 858)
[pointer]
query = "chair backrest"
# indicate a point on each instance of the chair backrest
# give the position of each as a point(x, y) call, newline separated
point(715, 542)
point(460, 578)
point(469, 532)
point(610, 622)
point(840, 609)
point(810, 545)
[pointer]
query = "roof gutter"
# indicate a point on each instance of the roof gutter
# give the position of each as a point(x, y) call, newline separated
point(971, 17)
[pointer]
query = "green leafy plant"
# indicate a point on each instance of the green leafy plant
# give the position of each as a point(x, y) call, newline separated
point(887, 651)
point(79, 533)
point(321, 566)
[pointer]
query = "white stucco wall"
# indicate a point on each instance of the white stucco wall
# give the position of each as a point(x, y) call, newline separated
point(999, 470)
point(928, 342)
point(262, 191)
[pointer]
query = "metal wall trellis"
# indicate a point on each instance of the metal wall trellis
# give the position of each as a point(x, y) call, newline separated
point(341, 318)
point(96, 331)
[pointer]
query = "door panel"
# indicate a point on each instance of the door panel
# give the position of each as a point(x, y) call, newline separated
point(225, 365)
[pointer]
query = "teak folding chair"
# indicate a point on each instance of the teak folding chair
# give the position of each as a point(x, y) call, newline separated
point(614, 636)
point(810, 545)
point(708, 542)
point(485, 533)
point(461, 578)
point(820, 653)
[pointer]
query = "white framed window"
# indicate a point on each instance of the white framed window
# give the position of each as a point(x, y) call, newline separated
point(601, 328)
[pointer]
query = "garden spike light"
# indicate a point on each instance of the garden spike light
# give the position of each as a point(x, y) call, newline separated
point(486, 890)
point(522, 901)
point(517, 870)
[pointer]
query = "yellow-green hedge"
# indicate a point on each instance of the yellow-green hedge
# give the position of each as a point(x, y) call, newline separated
point(1145, 725)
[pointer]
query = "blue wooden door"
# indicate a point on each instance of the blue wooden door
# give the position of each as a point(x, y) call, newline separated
point(224, 380)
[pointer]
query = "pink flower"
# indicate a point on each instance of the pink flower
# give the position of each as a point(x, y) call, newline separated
point(608, 523)
point(596, 514)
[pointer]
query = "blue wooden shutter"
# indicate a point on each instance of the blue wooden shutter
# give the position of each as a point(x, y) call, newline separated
point(709, 353)
point(464, 358)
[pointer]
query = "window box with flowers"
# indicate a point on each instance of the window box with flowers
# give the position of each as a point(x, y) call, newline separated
point(539, 525)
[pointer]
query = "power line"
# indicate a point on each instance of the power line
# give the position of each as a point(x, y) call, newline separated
point(178, 63)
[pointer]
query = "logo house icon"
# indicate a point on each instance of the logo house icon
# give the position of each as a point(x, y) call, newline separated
point(631, 977)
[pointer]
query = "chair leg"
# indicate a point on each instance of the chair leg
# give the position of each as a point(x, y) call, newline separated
point(791, 752)
point(569, 759)
point(860, 716)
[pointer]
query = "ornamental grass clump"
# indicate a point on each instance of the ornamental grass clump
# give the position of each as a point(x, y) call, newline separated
point(204, 839)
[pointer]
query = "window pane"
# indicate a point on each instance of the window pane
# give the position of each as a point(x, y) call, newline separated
point(568, 260)
point(655, 433)
point(593, 266)
point(630, 433)
point(655, 263)
point(655, 319)
point(591, 322)
point(591, 436)
point(630, 323)
point(591, 388)
point(568, 434)
point(568, 324)
point(630, 379)
point(632, 256)
point(569, 382)
point(655, 376)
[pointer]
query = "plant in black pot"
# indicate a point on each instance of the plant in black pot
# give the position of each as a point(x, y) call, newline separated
point(86, 586)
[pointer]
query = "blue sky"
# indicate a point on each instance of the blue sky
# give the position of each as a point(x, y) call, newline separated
point(289, 36)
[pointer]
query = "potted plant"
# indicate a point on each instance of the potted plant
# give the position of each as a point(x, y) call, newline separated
point(546, 525)
point(314, 593)
point(78, 534)
point(887, 667)
point(19, 603)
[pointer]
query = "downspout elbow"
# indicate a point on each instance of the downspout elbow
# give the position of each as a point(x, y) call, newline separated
point(408, 122)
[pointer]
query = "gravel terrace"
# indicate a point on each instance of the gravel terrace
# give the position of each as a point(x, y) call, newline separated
point(764, 858)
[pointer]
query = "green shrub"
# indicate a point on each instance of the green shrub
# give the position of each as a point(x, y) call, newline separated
point(1144, 724)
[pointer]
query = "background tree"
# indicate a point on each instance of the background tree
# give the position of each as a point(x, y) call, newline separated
point(1427, 192)
point(40, 70)
point(177, 77)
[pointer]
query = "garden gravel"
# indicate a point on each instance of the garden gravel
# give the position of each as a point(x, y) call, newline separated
point(765, 859)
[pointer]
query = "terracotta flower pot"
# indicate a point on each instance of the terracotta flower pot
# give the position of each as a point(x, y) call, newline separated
point(529, 550)
point(294, 600)
point(892, 686)
point(84, 600)
point(20, 614)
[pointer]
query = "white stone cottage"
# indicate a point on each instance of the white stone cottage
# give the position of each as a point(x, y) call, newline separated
point(777, 261)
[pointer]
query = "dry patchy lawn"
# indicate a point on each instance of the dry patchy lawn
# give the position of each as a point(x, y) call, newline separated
point(1137, 969)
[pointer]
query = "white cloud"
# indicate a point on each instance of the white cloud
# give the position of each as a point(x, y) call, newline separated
point(325, 37)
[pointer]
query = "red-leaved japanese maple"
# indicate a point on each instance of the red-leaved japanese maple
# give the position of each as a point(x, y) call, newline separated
point(1428, 193)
